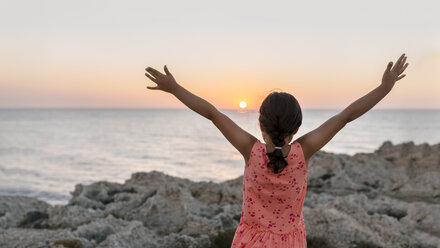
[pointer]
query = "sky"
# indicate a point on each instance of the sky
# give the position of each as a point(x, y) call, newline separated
point(92, 54)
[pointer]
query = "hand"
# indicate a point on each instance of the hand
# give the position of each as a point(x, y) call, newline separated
point(392, 73)
point(165, 82)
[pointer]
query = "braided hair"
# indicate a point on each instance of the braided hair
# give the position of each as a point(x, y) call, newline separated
point(280, 116)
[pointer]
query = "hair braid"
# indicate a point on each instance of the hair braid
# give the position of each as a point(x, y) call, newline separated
point(280, 116)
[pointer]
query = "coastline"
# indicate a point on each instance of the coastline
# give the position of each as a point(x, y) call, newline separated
point(387, 198)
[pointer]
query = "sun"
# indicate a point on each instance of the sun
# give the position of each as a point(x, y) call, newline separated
point(243, 104)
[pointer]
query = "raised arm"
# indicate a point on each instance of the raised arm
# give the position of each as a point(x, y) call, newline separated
point(239, 138)
point(316, 139)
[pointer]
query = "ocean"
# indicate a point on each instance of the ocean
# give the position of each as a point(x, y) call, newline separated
point(45, 152)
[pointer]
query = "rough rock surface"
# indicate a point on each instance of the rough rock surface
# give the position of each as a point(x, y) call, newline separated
point(389, 198)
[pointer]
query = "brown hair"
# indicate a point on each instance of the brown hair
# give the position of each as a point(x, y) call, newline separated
point(280, 116)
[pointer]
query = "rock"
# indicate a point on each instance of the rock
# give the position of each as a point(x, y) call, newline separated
point(70, 243)
point(388, 198)
point(72, 216)
point(20, 209)
point(34, 219)
point(332, 228)
point(183, 241)
point(95, 197)
point(25, 237)
point(133, 234)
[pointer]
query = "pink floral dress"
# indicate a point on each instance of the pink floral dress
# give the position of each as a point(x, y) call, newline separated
point(272, 203)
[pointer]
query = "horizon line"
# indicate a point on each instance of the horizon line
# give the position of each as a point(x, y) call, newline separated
point(146, 108)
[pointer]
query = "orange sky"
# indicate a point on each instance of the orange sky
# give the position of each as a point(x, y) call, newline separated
point(327, 55)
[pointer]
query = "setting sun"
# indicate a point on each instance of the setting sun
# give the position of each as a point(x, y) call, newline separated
point(243, 104)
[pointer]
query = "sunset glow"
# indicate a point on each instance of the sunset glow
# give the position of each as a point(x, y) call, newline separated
point(243, 104)
point(92, 54)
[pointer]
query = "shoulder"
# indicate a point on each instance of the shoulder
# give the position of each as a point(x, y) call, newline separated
point(300, 146)
point(250, 145)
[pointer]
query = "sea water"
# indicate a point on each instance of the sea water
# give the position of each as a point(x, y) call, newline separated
point(45, 152)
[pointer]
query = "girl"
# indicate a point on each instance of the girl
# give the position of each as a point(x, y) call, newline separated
point(274, 180)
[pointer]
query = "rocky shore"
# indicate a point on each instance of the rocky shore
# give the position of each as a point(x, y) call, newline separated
point(388, 198)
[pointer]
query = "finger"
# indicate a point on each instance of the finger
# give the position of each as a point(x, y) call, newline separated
point(150, 77)
point(390, 64)
point(399, 61)
point(152, 88)
point(154, 72)
point(165, 68)
point(400, 77)
point(403, 68)
point(404, 60)
point(401, 57)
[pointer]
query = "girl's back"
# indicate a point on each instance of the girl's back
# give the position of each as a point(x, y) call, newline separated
point(272, 203)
